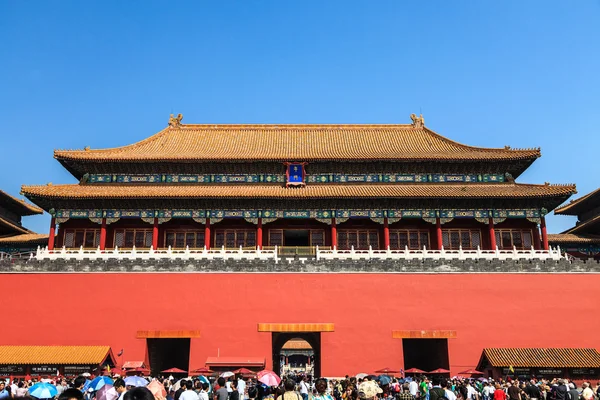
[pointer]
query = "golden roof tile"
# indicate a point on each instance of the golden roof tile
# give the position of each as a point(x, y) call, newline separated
point(295, 142)
point(21, 206)
point(297, 344)
point(423, 190)
point(584, 226)
point(24, 238)
point(560, 238)
point(543, 357)
point(576, 206)
point(61, 355)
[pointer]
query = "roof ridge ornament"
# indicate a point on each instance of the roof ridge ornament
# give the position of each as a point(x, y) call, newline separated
point(175, 122)
point(417, 122)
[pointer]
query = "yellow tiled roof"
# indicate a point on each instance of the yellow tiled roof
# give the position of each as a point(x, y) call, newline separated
point(583, 226)
point(424, 190)
point(22, 206)
point(560, 238)
point(44, 355)
point(543, 357)
point(297, 344)
point(24, 238)
point(576, 206)
point(296, 142)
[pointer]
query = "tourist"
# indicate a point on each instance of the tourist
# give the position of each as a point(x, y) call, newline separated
point(119, 386)
point(321, 388)
point(241, 386)
point(449, 393)
point(188, 393)
point(4, 391)
point(424, 389)
point(304, 388)
point(587, 393)
point(221, 393)
point(369, 390)
point(560, 390)
point(472, 393)
point(290, 391)
point(203, 395)
point(71, 394)
point(532, 391)
point(436, 392)
point(139, 393)
point(413, 388)
point(572, 394)
point(234, 394)
point(405, 393)
point(21, 390)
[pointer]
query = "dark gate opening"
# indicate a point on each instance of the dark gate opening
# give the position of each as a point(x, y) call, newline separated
point(296, 237)
point(168, 353)
point(426, 354)
point(281, 338)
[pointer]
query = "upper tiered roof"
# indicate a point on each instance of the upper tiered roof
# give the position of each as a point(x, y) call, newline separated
point(189, 143)
point(580, 205)
point(18, 206)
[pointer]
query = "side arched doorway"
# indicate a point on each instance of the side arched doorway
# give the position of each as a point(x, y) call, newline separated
point(279, 340)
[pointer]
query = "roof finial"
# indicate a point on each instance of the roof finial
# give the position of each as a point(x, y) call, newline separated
point(417, 122)
point(175, 121)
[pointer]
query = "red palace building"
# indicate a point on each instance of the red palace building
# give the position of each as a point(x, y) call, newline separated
point(304, 194)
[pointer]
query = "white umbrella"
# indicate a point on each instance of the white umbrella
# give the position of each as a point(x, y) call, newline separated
point(361, 375)
point(227, 374)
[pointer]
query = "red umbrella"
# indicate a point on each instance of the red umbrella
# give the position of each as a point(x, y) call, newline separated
point(471, 372)
point(414, 371)
point(174, 371)
point(203, 370)
point(387, 370)
point(243, 371)
point(439, 371)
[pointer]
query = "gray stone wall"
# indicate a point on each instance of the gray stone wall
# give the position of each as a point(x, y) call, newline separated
point(294, 265)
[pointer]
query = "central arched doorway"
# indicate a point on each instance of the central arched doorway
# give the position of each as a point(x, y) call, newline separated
point(297, 351)
point(297, 356)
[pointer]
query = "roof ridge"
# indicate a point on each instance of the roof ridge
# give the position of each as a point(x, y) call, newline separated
point(575, 202)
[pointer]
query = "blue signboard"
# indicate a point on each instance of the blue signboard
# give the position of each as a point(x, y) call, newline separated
point(295, 174)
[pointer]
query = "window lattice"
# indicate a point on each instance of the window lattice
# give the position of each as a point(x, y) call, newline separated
point(359, 239)
point(413, 239)
point(88, 238)
point(468, 239)
point(507, 238)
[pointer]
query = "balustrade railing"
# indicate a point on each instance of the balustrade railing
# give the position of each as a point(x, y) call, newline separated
point(274, 253)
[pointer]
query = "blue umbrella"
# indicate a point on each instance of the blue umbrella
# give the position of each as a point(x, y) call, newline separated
point(204, 379)
point(384, 379)
point(43, 390)
point(86, 385)
point(135, 381)
point(99, 382)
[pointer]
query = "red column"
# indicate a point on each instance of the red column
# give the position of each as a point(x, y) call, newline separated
point(259, 234)
point(333, 234)
point(492, 233)
point(544, 234)
point(155, 234)
point(52, 233)
point(207, 234)
point(537, 244)
point(103, 234)
point(438, 233)
point(386, 234)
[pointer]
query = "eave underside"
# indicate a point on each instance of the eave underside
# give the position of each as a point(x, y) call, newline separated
point(515, 167)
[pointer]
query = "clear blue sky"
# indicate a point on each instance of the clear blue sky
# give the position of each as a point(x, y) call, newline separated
point(485, 73)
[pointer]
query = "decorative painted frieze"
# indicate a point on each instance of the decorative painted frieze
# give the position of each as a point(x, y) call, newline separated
point(281, 178)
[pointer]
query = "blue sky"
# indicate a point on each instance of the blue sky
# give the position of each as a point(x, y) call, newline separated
point(485, 73)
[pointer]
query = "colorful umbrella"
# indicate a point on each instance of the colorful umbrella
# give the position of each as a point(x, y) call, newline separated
point(414, 371)
point(157, 389)
point(107, 392)
point(243, 371)
point(203, 370)
point(471, 372)
point(387, 370)
point(43, 390)
point(439, 371)
point(136, 381)
point(174, 371)
point(269, 378)
point(99, 382)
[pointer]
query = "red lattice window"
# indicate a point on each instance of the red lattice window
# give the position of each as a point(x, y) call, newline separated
point(414, 239)
point(130, 237)
point(519, 238)
point(234, 238)
point(180, 239)
point(358, 238)
point(468, 239)
point(89, 238)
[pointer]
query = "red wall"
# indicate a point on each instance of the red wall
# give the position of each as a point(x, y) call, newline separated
point(486, 310)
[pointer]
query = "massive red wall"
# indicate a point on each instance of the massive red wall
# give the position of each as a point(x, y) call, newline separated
point(486, 310)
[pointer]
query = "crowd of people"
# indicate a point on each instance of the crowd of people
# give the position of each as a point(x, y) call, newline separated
point(303, 387)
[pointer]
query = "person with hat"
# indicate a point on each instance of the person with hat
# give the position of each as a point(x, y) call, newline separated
point(369, 390)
